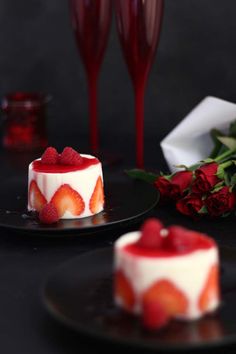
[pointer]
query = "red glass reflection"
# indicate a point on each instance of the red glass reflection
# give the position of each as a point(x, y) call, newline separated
point(24, 121)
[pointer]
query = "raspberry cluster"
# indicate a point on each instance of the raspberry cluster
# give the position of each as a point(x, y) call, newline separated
point(68, 156)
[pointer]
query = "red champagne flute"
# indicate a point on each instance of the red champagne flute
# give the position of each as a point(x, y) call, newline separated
point(91, 21)
point(139, 25)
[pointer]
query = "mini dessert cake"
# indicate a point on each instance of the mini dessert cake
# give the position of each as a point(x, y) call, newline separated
point(173, 272)
point(72, 184)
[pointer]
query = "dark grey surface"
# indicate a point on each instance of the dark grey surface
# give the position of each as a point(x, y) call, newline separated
point(84, 302)
point(26, 262)
point(196, 57)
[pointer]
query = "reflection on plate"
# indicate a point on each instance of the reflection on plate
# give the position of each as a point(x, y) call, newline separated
point(84, 302)
point(125, 203)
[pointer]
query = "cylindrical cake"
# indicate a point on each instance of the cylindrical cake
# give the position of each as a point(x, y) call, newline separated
point(75, 191)
point(187, 283)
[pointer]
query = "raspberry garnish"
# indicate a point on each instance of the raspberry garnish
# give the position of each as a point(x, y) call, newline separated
point(181, 239)
point(70, 157)
point(150, 234)
point(48, 214)
point(50, 156)
point(154, 315)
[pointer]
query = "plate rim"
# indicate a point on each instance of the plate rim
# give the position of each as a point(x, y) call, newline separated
point(132, 343)
point(49, 232)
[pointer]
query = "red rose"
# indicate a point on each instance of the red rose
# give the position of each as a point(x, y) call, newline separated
point(190, 205)
point(205, 178)
point(172, 189)
point(220, 202)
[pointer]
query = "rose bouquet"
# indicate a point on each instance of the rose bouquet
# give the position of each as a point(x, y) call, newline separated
point(207, 188)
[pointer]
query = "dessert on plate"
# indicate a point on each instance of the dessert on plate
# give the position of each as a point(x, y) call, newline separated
point(163, 273)
point(65, 186)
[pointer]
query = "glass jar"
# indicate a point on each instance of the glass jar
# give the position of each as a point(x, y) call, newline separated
point(24, 116)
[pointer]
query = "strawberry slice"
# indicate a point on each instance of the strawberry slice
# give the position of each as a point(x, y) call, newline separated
point(36, 198)
point(169, 296)
point(68, 199)
point(124, 290)
point(97, 199)
point(210, 290)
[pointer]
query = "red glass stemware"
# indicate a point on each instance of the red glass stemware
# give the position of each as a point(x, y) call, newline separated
point(91, 21)
point(139, 25)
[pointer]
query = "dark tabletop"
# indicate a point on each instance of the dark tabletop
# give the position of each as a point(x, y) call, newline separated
point(25, 263)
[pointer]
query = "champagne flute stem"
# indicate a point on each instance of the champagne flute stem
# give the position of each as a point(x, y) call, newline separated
point(93, 114)
point(139, 121)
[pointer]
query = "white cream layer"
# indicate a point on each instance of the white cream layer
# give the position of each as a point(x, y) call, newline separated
point(83, 181)
point(187, 272)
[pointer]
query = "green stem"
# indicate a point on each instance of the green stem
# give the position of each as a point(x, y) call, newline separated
point(218, 159)
point(226, 164)
point(225, 155)
point(194, 167)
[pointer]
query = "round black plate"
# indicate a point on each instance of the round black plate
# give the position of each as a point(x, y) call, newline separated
point(79, 294)
point(125, 202)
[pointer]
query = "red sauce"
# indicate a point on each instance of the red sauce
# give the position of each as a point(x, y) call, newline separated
point(204, 243)
point(38, 166)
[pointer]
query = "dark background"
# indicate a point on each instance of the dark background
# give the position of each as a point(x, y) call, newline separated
point(196, 57)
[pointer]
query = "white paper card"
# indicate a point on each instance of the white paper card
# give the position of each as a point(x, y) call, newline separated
point(189, 142)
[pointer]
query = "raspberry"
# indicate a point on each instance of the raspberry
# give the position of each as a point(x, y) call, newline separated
point(154, 315)
point(181, 239)
point(48, 214)
point(150, 234)
point(50, 156)
point(70, 157)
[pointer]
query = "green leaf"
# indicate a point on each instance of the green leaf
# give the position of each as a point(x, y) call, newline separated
point(225, 215)
point(207, 160)
point(220, 172)
point(203, 210)
point(232, 129)
point(142, 175)
point(217, 188)
point(219, 184)
point(182, 166)
point(229, 142)
point(215, 133)
point(233, 179)
point(227, 179)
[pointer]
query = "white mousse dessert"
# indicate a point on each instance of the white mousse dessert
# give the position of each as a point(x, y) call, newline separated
point(71, 182)
point(175, 267)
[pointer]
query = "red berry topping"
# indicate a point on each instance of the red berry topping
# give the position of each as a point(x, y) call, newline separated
point(181, 239)
point(150, 234)
point(154, 315)
point(50, 156)
point(48, 214)
point(70, 157)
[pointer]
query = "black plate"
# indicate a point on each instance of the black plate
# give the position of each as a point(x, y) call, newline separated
point(83, 301)
point(125, 202)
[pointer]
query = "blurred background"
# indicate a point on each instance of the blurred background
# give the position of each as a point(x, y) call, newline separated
point(196, 57)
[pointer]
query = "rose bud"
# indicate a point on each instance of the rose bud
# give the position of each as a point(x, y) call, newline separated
point(220, 202)
point(206, 178)
point(190, 205)
point(174, 187)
